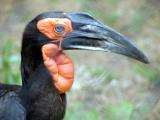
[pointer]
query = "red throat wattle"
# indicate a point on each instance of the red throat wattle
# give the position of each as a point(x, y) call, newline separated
point(58, 64)
point(60, 67)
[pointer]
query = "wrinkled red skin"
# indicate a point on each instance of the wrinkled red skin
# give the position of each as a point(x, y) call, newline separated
point(60, 67)
point(58, 64)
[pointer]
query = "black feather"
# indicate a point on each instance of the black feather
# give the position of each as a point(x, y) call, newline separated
point(37, 99)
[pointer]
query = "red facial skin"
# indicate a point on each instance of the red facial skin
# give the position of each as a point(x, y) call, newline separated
point(58, 64)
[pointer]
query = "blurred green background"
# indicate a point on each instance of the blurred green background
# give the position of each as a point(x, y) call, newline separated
point(107, 86)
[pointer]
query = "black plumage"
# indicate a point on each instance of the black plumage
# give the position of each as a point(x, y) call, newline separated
point(38, 98)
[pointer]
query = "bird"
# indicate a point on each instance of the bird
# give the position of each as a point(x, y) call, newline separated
point(47, 72)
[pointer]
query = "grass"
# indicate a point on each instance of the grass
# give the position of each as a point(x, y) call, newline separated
point(9, 62)
point(148, 72)
point(117, 111)
point(78, 112)
point(120, 111)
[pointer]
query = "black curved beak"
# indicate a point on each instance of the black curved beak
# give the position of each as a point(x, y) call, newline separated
point(90, 34)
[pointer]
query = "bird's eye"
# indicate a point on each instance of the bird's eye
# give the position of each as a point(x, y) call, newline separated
point(59, 28)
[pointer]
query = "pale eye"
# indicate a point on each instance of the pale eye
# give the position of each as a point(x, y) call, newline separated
point(59, 28)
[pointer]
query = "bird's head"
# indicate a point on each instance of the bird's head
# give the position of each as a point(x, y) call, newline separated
point(72, 30)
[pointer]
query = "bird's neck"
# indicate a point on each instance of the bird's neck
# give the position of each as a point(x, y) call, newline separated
point(34, 73)
point(38, 88)
point(35, 76)
point(31, 58)
point(30, 52)
point(38, 91)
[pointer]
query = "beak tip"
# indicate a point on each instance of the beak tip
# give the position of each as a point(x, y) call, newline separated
point(145, 60)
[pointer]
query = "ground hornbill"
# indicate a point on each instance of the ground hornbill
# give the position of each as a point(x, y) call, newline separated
point(47, 72)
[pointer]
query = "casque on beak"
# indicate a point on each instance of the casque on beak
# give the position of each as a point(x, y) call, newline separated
point(90, 34)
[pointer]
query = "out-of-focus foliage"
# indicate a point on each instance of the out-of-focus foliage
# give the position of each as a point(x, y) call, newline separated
point(106, 87)
point(9, 62)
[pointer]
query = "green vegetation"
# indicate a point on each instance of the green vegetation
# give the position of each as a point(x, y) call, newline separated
point(9, 62)
point(147, 72)
point(77, 112)
point(123, 111)
point(108, 112)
